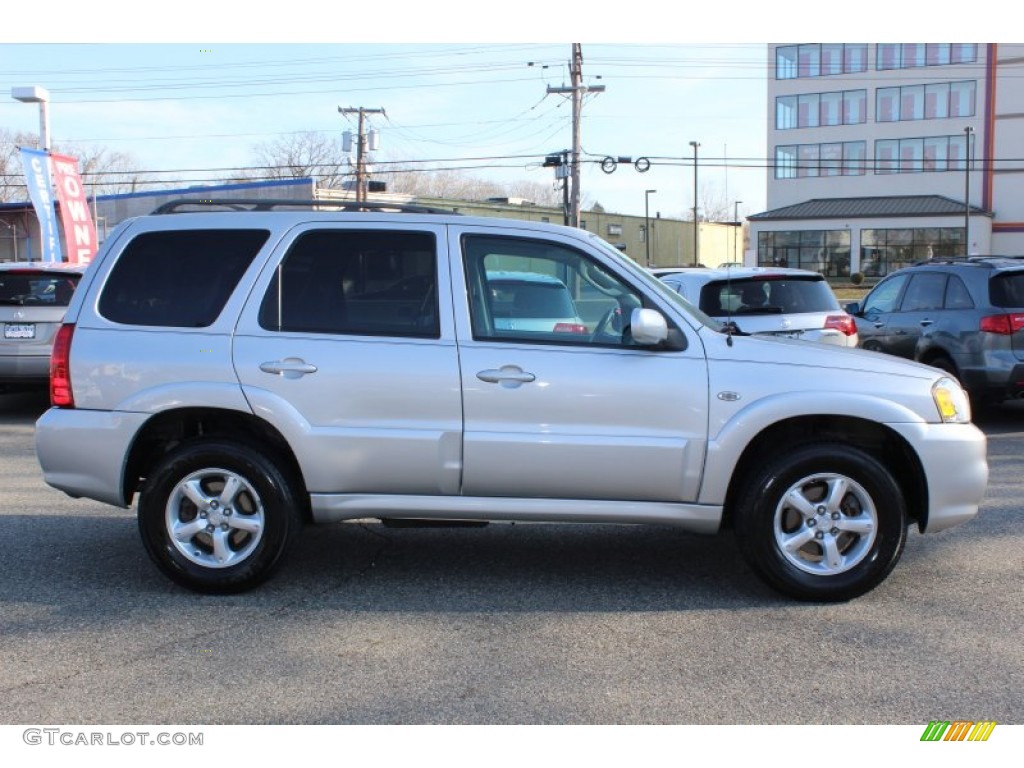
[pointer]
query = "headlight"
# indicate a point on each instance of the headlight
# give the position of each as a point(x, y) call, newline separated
point(951, 400)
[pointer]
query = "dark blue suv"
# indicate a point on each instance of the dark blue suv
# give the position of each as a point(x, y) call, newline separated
point(963, 315)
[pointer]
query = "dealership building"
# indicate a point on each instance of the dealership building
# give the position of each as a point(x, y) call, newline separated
point(887, 154)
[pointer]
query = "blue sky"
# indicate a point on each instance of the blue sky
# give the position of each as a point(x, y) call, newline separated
point(453, 92)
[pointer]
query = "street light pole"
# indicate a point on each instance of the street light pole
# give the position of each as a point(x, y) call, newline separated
point(647, 222)
point(33, 94)
point(696, 237)
point(739, 227)
point(967, 190)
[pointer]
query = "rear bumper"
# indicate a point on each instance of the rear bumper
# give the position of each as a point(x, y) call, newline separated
point(83, 452)
point(24, 368)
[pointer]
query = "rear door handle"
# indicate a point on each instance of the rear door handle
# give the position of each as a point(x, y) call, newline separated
point(289, 368)
point(508, 376)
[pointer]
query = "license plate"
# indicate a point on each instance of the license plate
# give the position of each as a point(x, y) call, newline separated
point(20, 331)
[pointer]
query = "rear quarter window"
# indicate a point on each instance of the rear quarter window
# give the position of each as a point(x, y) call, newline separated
point(1007, 290)
point(178, 279)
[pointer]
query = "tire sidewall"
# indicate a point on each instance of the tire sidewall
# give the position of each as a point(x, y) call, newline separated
point(281, 519)
point(755, 522)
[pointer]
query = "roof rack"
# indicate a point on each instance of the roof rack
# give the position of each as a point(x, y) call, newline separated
point(985, 261)
point(206, 204)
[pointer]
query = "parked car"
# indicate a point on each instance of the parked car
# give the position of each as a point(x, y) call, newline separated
point(33, 298)
point(771, 301)
point(964, 316)
point(527, 301)
point(252, 368)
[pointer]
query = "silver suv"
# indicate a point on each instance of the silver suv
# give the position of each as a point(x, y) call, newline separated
point(243, 372)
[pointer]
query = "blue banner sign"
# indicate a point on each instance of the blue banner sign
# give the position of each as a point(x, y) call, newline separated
point(40, 191)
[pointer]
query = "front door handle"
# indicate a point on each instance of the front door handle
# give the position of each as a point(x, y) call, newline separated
point(289, 368)
point(508, 376)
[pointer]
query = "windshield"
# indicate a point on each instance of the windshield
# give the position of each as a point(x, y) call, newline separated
point(767, 296)
point(29, 287)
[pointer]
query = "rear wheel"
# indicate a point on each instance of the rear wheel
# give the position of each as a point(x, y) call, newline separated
point(217, 516)
point(825, 522)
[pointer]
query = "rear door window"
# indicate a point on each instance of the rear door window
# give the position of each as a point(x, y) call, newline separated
point(178, 279)
point(357, 282)
point(925, 292)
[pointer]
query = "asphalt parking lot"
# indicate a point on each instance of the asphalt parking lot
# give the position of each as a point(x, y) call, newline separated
point(527, 624)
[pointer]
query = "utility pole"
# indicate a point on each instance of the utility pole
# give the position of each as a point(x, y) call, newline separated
point(361, 146)
point(576, 91)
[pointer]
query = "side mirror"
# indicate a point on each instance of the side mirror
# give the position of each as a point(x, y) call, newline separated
point(852, 309)
point(648, 327)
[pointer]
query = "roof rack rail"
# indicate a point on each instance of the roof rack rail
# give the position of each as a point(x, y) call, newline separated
point(207, 204)
point(988, 260)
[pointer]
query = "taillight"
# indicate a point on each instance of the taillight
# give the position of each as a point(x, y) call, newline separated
point(60, 368)
point(842, 323)
point(1002, 324)
point(571, 328)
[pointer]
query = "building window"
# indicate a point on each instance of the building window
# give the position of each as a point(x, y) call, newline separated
point(811, 110)
point(785, 162)
point(820, 250)
point(936, 54)
point(914, 155)
point(816, 60)
point(925, 102)
point(912, 55)
point(809, 160)
point(785, 63)
point(885, 250)
point(615, 230)
point(808, 156)
point(831, 159)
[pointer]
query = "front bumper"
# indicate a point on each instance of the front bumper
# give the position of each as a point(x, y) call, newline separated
point(954, 458)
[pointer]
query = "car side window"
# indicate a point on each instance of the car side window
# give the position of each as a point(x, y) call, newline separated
point(925, 291)
point(357, 282)
point(543, 292)
point(882, 299)
point(957, 295)
point(179, 279)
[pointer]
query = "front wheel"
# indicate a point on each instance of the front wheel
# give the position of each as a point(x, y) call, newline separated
point(826, 522)
point(217, 516)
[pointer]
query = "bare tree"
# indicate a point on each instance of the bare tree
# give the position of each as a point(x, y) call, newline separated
point(712, 204)
point(103, 171)
point(310, 154)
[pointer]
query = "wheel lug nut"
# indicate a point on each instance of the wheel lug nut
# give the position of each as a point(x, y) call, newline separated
point(821, 510)
point(224, 527)
point(811, 523)
point(210, 528)
point(819, 535)
point(834, 531)
point(835, 515)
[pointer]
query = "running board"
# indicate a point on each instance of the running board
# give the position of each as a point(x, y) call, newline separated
point(329, 508)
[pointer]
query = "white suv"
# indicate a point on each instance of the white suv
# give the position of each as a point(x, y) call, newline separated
point(244, 372)
point(772, 301)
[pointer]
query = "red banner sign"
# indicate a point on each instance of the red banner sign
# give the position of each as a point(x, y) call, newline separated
point(79, 228)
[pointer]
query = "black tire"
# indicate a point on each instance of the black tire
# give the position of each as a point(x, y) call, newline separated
point(235, 511)
point(943, 363)
point(848, 537)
